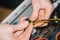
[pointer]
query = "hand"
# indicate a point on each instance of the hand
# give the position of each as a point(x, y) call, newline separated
point(20, 31)
point(42, 9)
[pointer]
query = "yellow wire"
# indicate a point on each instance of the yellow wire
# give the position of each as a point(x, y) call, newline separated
point(46, 20)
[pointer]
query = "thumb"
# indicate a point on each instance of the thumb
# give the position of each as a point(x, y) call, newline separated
point(36, 7)
point(26, 34)
point(21, 26)
point(34, 16)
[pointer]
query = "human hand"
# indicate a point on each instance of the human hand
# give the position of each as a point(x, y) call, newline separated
point(20, 31)
point(42, 9)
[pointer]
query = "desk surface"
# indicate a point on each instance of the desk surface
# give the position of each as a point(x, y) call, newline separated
point(4, 12)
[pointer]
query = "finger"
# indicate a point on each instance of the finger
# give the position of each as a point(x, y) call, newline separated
point(38, 24)
point(22, 19)
point(45, 24)
point(41, 17)
point(36, 7)
point(48, 12)
point(34, 16)
point(41, 14)
point(17, 33)
point(27, 33)
point(21, 26)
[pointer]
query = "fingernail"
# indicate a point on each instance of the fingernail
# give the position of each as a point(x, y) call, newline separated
point(25, 23)
point(25, 17)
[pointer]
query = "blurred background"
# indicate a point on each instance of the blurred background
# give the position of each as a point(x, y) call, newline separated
point(7, 6)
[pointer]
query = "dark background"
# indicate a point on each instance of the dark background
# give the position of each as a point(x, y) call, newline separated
point(12, 4)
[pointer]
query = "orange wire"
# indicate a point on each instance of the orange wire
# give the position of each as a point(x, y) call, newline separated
point(57, 36)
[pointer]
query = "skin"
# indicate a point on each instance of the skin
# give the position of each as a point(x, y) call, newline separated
point(42, 9)
point(20, 31)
